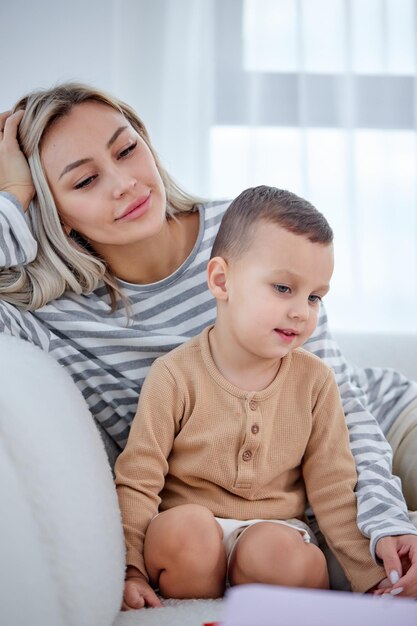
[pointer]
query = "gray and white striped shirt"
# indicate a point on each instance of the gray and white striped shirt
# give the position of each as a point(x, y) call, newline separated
point(108, 358)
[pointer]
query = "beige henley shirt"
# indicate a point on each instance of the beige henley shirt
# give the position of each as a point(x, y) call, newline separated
point(197, 438)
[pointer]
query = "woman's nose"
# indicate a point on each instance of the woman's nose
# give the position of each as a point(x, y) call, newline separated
point(122, 183)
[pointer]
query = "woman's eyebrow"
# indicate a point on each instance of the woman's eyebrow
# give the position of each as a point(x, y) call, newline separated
point(109, 144)
point(71, 166)
point(115, 136)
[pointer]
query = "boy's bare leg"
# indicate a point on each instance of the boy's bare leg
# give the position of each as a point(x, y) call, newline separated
point(184, 553)
point(277, 555)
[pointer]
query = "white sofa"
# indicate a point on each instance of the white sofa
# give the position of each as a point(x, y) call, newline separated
point(61, 544)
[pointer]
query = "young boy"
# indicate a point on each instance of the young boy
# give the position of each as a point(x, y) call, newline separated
point(239, 427)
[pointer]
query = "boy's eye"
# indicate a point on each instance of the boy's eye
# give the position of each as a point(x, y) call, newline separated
point(282, 288)
point(85, 182)
point(127, 151)
point(314, 299)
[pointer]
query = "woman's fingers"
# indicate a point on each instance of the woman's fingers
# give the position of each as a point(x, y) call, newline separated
point(3, 117)
point(15, 176)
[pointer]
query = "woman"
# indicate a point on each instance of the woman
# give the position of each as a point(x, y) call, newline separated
point(108, 272)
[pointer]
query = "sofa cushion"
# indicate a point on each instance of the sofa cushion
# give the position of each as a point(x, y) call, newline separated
point(62, 551)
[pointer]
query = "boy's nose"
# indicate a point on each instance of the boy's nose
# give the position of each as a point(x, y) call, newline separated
point(299, 311)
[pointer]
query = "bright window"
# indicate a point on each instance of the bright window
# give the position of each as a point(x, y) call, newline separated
point(319, 96)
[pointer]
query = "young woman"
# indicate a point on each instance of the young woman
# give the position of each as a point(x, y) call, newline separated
point(103, 263)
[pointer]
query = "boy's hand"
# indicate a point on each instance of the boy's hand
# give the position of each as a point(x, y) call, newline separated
point(137, 592)
point(399, 554)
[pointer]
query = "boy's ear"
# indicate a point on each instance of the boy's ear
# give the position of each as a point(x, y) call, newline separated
point(216, 277)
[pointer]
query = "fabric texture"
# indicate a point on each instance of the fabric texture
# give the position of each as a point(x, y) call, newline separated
point(108, 357)
point(243, 455)
point(233, 530)
point(403, 437)
point(61, 540)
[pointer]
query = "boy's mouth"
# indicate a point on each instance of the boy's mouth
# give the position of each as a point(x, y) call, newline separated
point(287, 334)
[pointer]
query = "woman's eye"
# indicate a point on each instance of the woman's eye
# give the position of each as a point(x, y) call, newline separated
point(85, 182)
point(314, 299)
point(127, 151)
point(282, 288)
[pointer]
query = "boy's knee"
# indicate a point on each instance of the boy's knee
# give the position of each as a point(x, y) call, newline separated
point(277, 555)
point(268, 541)
point(306, 567)
point(184, 533)
point(189, 523)
point(184, 552)
point(316, 574)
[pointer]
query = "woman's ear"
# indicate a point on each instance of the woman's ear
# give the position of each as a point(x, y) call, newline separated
point(217, 276)
point(67, 229)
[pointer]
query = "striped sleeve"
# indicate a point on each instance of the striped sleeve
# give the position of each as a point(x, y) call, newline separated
point(387, 391)
point(17, 245)
point(382, 510)
point(24, 325)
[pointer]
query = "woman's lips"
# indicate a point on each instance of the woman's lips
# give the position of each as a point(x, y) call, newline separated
point(136, 209)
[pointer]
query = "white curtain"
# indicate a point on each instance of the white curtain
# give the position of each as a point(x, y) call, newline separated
point(317, 96)
point(164, 61)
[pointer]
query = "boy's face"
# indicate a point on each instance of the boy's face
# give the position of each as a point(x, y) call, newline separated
point(274, 291)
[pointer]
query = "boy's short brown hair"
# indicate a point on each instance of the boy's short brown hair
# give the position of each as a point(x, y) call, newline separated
point(270, 204)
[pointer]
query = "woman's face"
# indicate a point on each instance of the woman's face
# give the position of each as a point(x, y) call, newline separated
point(103, 177)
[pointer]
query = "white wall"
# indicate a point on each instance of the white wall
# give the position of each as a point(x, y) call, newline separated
point(148, 53)
point(43, 42)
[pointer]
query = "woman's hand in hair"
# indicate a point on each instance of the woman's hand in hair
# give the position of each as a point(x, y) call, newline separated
point(15, 176)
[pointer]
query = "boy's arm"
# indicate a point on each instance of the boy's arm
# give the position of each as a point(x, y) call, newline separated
point(141, 468)
point(330, 476)
point(382, 511)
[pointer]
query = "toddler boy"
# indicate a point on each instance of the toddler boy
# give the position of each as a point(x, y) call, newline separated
point(238, 428)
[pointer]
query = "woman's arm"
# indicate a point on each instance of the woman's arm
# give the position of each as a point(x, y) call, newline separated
point(382, 510)
point(17, 247)
point(17, 244)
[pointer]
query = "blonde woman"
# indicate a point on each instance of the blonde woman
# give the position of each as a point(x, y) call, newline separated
point(103, 263)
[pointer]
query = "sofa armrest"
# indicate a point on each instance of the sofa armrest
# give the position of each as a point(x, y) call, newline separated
point(61, 542)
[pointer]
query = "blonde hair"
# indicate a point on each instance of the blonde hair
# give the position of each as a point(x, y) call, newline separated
point(66, 262)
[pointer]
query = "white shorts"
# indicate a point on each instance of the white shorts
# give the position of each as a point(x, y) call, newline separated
point(233, 529)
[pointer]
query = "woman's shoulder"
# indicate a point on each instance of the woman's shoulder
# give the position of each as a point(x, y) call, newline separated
point(214, 209)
